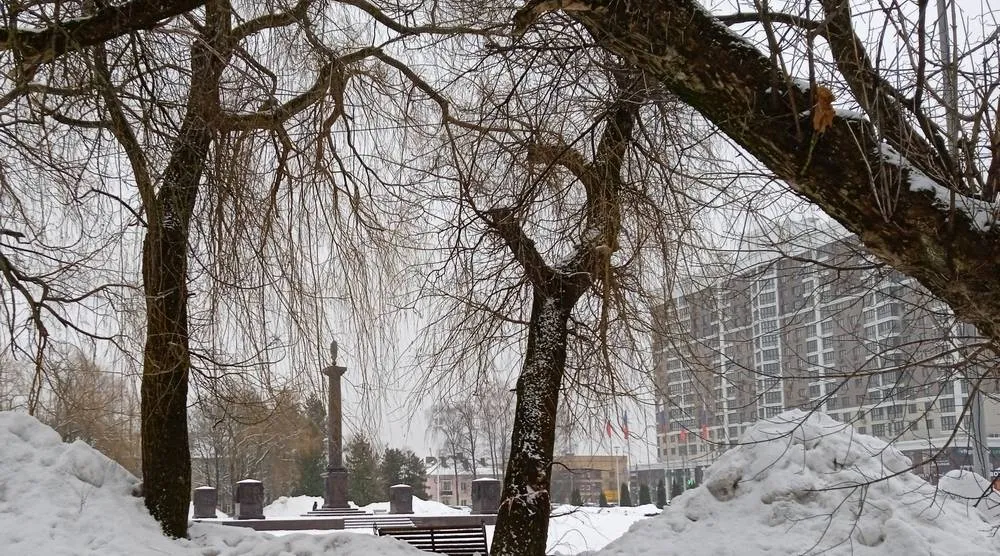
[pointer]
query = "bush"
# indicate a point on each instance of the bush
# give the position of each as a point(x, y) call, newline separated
point(661, 494)
point(644, 497)
point(676, 488)
point(575, 498)
point(624, 498)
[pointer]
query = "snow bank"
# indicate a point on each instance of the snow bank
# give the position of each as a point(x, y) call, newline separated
point(973, 491)
point(68, 499)
point(420, 507)
point(796, 485)
point(220, 540)
point(292, 506)
point(61, 499)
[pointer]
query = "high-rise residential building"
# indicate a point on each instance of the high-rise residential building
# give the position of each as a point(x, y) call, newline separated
point(821, 327)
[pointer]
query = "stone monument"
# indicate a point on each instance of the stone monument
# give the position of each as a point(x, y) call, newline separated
point(335, 492)
point(205, 500)
point(486, 496)
point(249, 498)
point(401, 499)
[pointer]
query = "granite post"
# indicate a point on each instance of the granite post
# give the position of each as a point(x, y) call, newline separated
point(401, 499)
point(335, 491)
point(205, 500)
point(485, 496)
point(249, 498)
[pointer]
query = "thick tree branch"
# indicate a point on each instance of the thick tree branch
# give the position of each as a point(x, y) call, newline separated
point(271, 21)
point(504, 223)
point(107, 23)
point(882, 102)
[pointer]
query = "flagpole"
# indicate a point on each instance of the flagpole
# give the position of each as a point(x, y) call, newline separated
point(618, 482)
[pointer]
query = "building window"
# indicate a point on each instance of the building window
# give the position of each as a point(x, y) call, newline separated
point(878, 430)
point(930, 424)
point(948, 422)
point(947, 406)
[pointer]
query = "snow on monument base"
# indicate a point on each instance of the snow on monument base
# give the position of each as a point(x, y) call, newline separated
point(796, 485)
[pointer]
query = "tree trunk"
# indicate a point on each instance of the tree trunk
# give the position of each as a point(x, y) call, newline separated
point(166, 456)
point(523, 518)
point(166, 460)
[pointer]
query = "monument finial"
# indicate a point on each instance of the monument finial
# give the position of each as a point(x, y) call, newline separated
point(333, 352)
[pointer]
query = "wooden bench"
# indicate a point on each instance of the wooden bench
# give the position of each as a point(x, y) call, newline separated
point(453, 541)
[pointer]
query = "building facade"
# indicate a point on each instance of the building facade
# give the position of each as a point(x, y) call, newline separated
point(453, 487)
point(591, 475)
point(821, 328)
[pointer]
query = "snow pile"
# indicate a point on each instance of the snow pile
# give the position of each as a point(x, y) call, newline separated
point(974, 491)
point(61, 499)
point(796, 485)
point(292, 506)
point(420, 507)
point(221, 540)
point(68, 499)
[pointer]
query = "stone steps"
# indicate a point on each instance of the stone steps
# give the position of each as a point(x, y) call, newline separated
point(334, 512)
point(370, 521)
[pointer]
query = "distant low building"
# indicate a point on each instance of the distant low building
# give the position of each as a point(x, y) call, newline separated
point(453, 487)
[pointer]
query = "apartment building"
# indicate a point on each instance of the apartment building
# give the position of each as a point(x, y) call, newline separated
point(821, 327)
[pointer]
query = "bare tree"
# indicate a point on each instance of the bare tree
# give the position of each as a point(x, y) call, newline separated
point(917, 198)
point(228, 143)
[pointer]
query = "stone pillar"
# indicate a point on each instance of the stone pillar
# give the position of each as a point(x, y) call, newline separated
point(401, 499)
point(205, 500)
point(485, 496)
point(335, 491)
point(249, 498)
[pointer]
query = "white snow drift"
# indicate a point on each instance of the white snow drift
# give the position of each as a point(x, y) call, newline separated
point(806, 484)
point(800, 484)
point(61, 499)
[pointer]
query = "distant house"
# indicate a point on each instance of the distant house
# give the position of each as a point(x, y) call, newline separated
point(451, 486)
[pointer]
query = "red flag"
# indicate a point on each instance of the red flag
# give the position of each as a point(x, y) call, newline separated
point(625, 425)
point(684, 435)
point(611, 431)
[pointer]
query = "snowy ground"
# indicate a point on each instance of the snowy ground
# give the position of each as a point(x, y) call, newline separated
point(571, 530)
point(794, 487)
